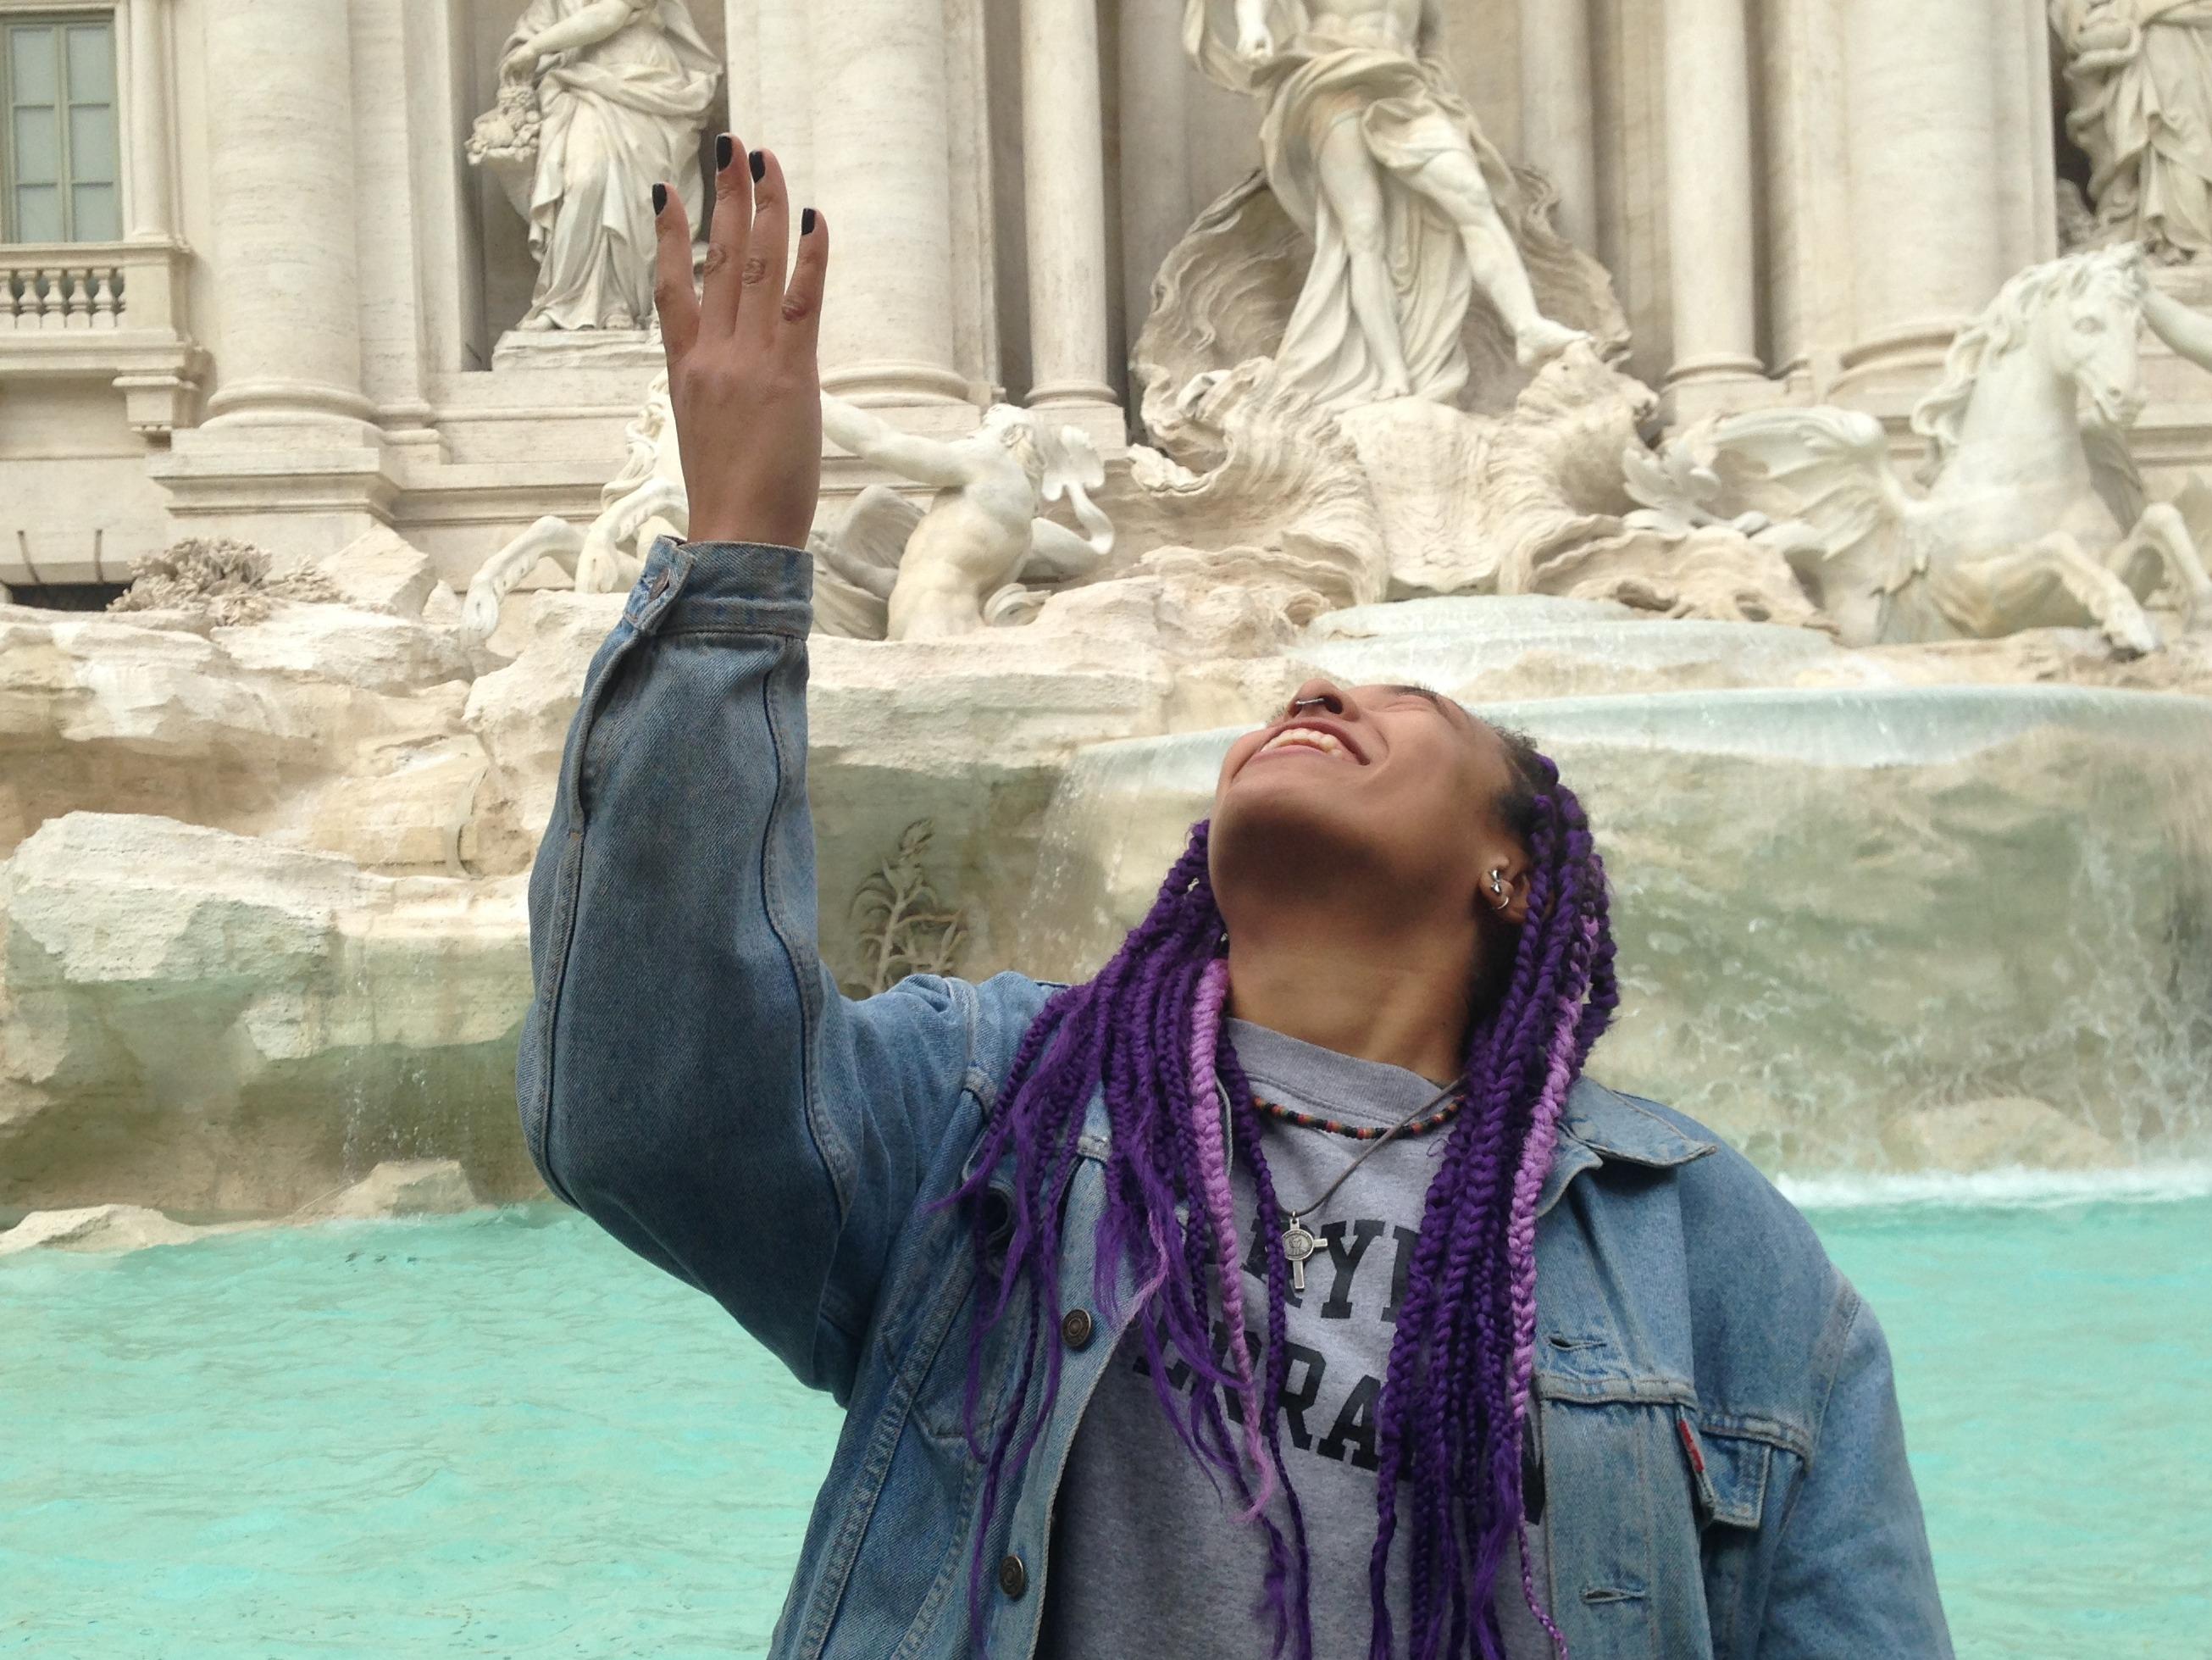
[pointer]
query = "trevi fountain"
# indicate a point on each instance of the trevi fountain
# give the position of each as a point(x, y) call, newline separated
point(1795, 414)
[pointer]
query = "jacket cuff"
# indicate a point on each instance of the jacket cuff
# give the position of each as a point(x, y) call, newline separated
point(735, 581)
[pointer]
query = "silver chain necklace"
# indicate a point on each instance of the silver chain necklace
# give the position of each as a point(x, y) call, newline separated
point(1300, 1243)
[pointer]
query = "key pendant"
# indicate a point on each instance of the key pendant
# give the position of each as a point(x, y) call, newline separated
point(1297, 1246)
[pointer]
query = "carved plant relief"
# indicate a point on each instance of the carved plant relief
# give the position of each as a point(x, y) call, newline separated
point(904, 927)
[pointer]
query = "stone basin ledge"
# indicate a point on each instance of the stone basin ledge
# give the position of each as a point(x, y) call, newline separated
point(396, 1190)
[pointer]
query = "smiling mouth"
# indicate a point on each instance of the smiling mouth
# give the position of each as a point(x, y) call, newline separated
point(1310, 740)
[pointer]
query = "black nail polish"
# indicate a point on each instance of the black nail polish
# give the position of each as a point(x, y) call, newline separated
point(758, 163)
point(659, 200)
point(806, 223)
point(723, 149)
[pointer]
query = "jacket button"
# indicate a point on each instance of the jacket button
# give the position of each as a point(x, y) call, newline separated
point(1075, 1328)
point(1014, 1578)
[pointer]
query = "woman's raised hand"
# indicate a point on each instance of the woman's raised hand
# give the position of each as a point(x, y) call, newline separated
point(743, 377)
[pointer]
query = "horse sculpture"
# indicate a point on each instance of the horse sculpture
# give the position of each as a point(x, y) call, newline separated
point(2033, 514)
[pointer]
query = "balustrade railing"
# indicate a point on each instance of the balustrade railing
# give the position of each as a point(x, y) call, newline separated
point(61, 296)
point(112, 311)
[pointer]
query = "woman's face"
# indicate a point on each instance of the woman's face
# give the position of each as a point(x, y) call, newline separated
point(1388, 784)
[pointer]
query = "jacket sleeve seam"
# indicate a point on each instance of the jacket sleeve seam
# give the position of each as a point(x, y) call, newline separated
point(965, 997)
point(810, 1013)
point(1849, 1302)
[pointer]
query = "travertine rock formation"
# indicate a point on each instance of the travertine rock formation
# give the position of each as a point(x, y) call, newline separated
point(199, 582)
point(263, 927)
point(104, 1228)
point(206, 1021)
point(396, 1188)
point(273, 728)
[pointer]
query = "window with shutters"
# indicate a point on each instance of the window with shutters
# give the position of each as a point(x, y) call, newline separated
point(59, 173)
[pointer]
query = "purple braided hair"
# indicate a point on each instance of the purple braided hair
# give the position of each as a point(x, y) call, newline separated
point(1221, 1209)
point(1144, 1033)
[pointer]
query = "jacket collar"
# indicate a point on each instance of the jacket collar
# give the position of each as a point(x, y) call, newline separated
point(1599, 1125)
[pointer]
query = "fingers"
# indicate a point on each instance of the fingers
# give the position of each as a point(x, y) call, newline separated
point(802, 301)
point(727, 238)
point(673, 296)
point(768, 252)
point(748, 251)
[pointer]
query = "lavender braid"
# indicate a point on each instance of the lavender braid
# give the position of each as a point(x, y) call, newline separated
point(1144, 1033)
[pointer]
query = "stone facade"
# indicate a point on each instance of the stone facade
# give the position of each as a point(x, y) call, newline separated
point(300, 333)
point(1110, 472)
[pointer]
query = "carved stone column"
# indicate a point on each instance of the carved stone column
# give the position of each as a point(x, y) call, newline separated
point(150, 201)
point(280, 175)
point(162, 394)
point(1559, 121)
point(1155, 83)
point(1924, 185)
point(291, 437)
point(1710, 225)
point(783, 74)
point(1064, 176)
point(881, 148)
point(741, 74)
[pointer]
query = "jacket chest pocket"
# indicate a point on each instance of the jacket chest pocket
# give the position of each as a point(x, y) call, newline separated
point(1728, 1474)
point(1652, 1510)
point(1728, 1477)
point(1631, 1490)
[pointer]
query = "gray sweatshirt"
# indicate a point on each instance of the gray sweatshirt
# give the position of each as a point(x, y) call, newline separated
point(1147, 1559)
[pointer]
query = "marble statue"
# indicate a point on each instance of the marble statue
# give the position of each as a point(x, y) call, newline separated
point(1409, 210)
point(2140, 75)
point(953, 568)
point(2031, 514)
point(599, 101)
point(889, 569)
point(643, 501)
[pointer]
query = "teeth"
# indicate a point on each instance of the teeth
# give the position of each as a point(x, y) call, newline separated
point(1326, 742)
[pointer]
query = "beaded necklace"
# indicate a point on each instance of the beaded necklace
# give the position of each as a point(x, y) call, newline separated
point(1300, 1241)
point(1309, 1120)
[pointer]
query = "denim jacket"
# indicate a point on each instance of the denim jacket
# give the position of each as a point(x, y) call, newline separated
point(1718, 1455)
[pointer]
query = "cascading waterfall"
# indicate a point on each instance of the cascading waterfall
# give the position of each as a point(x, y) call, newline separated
point(1889, 929)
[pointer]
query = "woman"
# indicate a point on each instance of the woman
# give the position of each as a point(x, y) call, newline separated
point(2141, 73)
point(1283, 1289)
point(1372, 152)
point(624, 87)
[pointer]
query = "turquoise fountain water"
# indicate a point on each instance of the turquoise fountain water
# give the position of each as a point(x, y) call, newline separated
point(504, 1436)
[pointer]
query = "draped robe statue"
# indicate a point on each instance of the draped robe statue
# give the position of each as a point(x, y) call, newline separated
point(2141, 73)
point(1370, 148)
point(616, 94)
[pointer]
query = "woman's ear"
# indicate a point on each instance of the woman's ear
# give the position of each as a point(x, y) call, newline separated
point(1504, 890)
point(1517, 887)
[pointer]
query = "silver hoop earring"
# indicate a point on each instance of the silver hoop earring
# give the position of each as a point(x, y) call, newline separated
point(1499, 898)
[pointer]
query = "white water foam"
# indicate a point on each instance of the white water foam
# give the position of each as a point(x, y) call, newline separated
point(2002, 1189)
